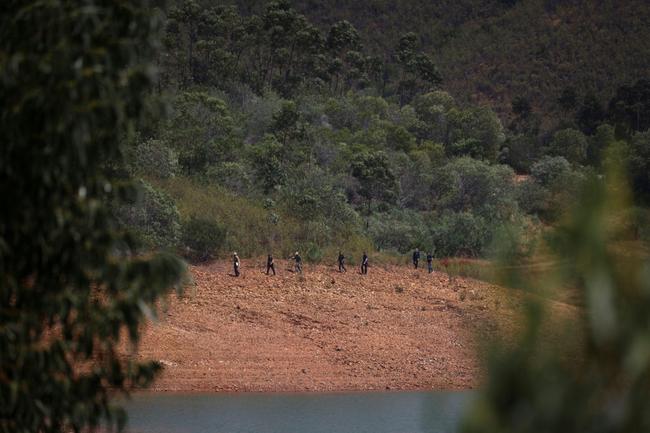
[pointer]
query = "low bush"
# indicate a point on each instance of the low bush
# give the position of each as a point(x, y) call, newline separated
point(202, 238)
point(551, 170)
point(155, 158)
point(152, 217)
point(234, 176)
point(314, 253)
point(400, 230)
point(460, 234)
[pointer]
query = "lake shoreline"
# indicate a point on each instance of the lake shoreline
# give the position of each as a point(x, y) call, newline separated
point(167, 391)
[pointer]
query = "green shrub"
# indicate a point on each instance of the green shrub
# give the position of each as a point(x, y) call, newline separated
point(551, 170)
point(314, 253)
point(519, 152)
point(399, 138)
point(202, 238)
point(252, 230)
point(267, 159)
point(315, 197)
point(399, 230)
point(533, 198)
point(469, 185)
point(460, 234)
point(155, 158)
point(553, 186)
point(152, 217)
point(413, 172)
point(584, 372)
point(201, 130)
point(258, 112)
point(571, 144)
point(234, 176)
point(476, 132)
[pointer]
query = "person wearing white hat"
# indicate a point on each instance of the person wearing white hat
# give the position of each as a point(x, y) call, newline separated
point(298, 260)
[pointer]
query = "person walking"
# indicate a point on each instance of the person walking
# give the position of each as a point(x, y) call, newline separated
point(416, 258)
point(270, 265)
point(364, 263)
point(298, 260)
point(430, 261)
point(342, 262)
point(235, 263)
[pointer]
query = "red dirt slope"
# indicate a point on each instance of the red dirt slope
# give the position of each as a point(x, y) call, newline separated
point(395, 328)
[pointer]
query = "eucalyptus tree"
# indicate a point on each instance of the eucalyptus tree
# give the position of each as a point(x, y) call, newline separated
point(73, 75)
point(419, 73)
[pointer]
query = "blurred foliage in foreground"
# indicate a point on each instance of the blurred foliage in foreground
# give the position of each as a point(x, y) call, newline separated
point(73, 75)
point(597, 377)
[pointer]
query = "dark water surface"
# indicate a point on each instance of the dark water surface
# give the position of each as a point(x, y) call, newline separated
point(381, 412)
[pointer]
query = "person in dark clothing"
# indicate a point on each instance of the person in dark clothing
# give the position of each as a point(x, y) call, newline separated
point(298, 260)
point(364, 263)
point(342, 262)
point(416, 258)
point(235, 263)
point(270, 265)
point(430, 261)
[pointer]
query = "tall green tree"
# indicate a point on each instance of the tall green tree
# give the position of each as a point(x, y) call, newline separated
point(377, 180)
point(346, 62)
point(73, 75)
point(629, 109)
point(419, 72)
point(184, 22)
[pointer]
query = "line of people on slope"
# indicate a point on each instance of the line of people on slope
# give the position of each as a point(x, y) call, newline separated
point(270, 265)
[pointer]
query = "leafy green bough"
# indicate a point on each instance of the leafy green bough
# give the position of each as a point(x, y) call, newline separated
point(73, 76)
point(596, 376)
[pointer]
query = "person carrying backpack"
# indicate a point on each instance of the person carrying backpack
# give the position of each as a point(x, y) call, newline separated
point(364, 263)
point(270, 265)
point(416, 258)
point(235, 263)
point(430, 262)
point(342, 262)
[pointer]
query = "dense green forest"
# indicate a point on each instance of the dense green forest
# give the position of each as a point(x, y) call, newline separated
point(493, 51)
point(290, 132)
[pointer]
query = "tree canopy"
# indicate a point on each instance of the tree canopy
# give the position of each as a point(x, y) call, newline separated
point(73, 79)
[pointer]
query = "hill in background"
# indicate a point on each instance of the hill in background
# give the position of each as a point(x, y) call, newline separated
point(492, 51)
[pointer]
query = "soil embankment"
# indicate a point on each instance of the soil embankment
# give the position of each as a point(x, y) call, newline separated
point(395, 328)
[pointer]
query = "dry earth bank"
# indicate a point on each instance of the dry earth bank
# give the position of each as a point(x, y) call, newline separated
point(395, 328)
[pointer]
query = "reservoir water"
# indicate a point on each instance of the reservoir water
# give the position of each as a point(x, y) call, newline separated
point(381, 412)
